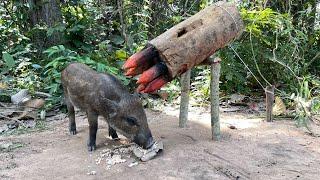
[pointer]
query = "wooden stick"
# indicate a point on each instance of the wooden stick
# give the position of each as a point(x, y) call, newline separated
point(214, 98)
point(269, 102)
point(184, 102)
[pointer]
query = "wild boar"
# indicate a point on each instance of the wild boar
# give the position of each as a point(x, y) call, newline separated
point(103, 94)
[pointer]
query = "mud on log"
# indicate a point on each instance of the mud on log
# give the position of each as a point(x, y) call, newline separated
point(193, 40)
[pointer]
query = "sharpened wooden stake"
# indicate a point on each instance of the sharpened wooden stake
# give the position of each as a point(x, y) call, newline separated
point(184, 102)
point(214, 98)
point(269, 102)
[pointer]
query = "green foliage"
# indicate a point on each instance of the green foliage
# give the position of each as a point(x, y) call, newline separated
point(200, 86)
point(59, 57)
point(307, 101)
point(279, 46)
point(272, 47)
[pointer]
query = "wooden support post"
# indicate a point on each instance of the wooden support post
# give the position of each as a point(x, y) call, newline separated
point(269, 102)
point(214, 98)
point(184, 102)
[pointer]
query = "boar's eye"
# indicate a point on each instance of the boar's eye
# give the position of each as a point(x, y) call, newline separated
point(131, 121)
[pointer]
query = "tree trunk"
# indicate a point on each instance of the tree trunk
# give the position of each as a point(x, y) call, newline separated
point(48, 13)
point(184, 102)
point(153, 18)
point(122, 21)
point(193, 40)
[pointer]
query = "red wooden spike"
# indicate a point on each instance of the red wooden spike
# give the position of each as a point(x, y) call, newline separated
point(152, 73)
point(130, 72)
point(135, 71)
point(143, 57)
point(141, 87)
point(155, 84)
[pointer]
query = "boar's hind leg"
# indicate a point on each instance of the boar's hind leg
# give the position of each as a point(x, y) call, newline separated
point(93, 127)
point(71, 115)
point(113, 133)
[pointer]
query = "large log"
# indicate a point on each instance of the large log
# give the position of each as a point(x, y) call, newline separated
point(193, 40)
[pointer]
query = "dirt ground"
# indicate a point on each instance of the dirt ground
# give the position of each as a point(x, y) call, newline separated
point(255, 150)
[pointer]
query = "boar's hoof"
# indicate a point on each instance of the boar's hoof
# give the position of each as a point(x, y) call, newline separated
point(92, 147)
point(113, 134)
point(73, 132)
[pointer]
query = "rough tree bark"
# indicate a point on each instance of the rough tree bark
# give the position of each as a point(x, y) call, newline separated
point(45, 12)
point(193, 40)
point(184, 102)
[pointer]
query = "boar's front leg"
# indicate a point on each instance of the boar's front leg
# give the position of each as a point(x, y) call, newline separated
point(113, 133)
point(93, 127)
point(71, 115)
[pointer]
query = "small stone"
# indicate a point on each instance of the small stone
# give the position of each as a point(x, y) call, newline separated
point(42, 114)
point(29, 123)
point(150, 155)
point(133, 164)
point(138, 152)
point(5, 145)
point(146, 155)
point(20, 97)
point(4, 128)
point(12, 124)
point(92, 173)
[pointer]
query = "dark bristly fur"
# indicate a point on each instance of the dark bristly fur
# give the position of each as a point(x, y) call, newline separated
point(103, 94)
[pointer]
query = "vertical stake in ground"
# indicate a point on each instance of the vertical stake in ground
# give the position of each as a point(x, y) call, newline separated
point(214, 98)
point(269, 102)
point(184, 102)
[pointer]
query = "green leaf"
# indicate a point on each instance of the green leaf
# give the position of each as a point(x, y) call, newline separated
point(121, 54)
point(117, 39)
point(8, 59)
point(100, 67)
point(229, 76)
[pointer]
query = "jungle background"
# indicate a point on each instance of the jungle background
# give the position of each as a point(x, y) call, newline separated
point(280, 46)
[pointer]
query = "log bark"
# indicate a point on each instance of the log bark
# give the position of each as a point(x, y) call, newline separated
point(214, 98)
point(193, 40)
point(184, 102)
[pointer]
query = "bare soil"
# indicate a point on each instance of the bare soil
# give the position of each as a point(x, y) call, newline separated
point(255, 150)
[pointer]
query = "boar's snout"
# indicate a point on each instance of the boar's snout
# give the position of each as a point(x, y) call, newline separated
point(144, 140)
